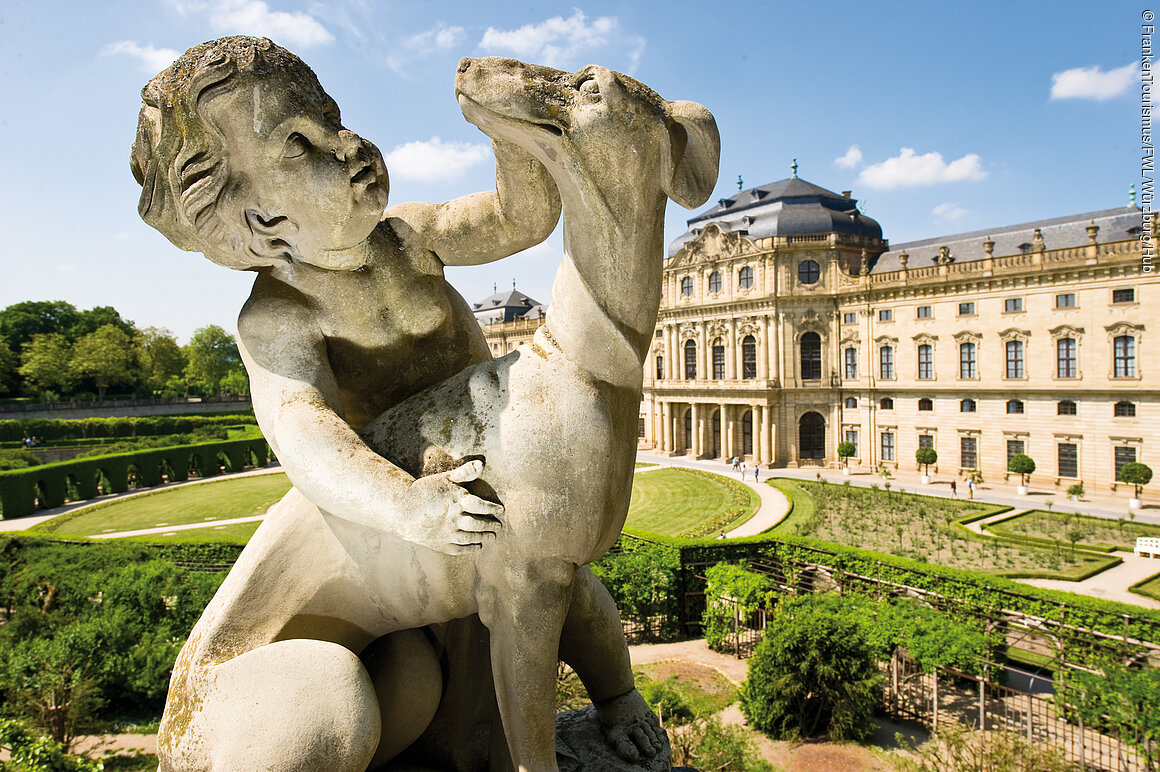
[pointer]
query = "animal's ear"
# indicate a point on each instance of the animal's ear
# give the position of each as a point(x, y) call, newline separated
point(272, 237)
point(695, 151)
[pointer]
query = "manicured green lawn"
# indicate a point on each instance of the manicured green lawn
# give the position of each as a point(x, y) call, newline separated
point(219, 500)
point(687, 502)
point(1149, 589)
point(238, 533)
point(1097, 531)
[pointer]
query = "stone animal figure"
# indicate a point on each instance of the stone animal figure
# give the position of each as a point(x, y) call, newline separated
point(555, 422)
point(556, 419)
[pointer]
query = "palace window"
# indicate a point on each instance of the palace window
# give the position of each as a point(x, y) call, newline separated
point(925, 362)
point(1065, 300)
point(715, 282)
point(968, 453)
point(1127, 295)
point(967, 309)
point(718, 362)
point(1065, 407)
point(660, 367)
point(690, 360)
point(748, 358)
point(852, 438)
point(1124, 454)
point(1066, 365)
point(1124, 410)
point(968, 361)
point(687, 286)
point(851, 355)
point(886, 403)
point(1068, 459)
point(886, 315)
point(925, 404)
point(851, 402)
point(1015, 407)
point(924, 312)
point(1014, 448)
point(745, 277)
point(887, 446)
point(809, 272)
point(1124, 356)
point(1014, 359)
point(1012, 305)
point(811, 356)
point(926, 441)
point(850, 318)
point(967, 406)
point(886, 362)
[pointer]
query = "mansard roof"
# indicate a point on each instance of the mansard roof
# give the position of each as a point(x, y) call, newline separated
point(1058, 233)
point(789, 207)
point(505, 306)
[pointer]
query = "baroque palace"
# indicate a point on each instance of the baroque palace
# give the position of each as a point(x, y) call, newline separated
point(788, 325)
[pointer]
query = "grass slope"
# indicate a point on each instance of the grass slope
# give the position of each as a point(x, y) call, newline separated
point(686, 502)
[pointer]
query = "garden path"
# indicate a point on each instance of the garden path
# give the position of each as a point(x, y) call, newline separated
point(1113, 583)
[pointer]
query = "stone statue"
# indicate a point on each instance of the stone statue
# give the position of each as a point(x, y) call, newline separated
point(322, 648)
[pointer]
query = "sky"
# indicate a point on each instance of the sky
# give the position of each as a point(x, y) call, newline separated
point(940, 117)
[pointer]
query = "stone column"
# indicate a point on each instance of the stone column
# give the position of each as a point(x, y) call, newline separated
point(703, 372)
point(726, 451)
point(763, 349)
point(773, 454)
point(773, 332)
point(732, 351)
point(766, 440)
point(694, 448)
point(671, 351)
point(755, 431)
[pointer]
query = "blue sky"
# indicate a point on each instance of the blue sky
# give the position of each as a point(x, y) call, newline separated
point(940, 117)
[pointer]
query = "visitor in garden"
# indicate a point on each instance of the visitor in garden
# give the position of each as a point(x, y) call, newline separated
point(954, 489)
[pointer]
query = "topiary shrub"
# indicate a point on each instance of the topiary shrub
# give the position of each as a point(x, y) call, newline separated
point(814, 673)
point(845, 451)
point(925, 457)
point(1022, 465)
point(1137, 475)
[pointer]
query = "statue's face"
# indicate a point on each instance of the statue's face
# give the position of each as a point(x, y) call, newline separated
point(316, 186)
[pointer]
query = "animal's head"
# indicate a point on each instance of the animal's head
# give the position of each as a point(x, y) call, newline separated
point(594, 127)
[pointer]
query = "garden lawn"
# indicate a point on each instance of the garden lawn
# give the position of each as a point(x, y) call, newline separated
point(687, 502)
point(920, 528)
point(1097, 531)
point(236, 533)
point(1149, 588)
point(202, 502)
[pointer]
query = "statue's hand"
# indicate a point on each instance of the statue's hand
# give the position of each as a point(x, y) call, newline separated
point(446, 518)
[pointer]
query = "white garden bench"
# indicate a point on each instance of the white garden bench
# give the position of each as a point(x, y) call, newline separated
point(1148, 546)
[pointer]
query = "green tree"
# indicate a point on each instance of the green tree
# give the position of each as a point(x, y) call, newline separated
point(814, 672)
point(45, 363)
point(212, 354)
point(845, 451)
point(97, 317)
point(925, 457)
point(1125, 698)
point(159, 357)
point(1137, 475)
point(20, 322)
point(105, 356)
point(236, 383)
point(9, 377)
point(1022, 465)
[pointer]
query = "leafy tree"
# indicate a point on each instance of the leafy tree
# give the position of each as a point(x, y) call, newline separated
point(1022, 465)
point(814, 672)
point(1125, 698)
point(105, 356)
point(925, 457)
point(20, 322)
point(746, 589)
point(30, 752)
point(95, 318)
point(45, 363)
point(643, 583)
point(1136, 475)
point(9, 378)
point(159, 356)
point(236, 382)
point(212, 354)
point(845, 451)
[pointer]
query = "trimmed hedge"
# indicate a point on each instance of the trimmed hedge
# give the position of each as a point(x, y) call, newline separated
point(54, 429)
point(23, 491)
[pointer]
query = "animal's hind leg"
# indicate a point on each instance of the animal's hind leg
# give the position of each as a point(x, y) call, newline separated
point(524, 614)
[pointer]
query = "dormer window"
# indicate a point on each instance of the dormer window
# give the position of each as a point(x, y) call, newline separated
point(1024, 248)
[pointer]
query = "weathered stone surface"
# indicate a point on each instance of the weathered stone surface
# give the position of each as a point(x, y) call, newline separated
point(580, 747)
point(430, 483)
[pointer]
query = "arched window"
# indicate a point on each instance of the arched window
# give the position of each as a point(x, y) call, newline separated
point(1124, 356)
point(967, 406)
point(1014, 406)
point(1065, 358)
point(886, 362)
point(687, 286)
point(851, 402)
point(886, 403)
point(808, 272)
point(851, 355)
point(925, 404)
point(689, 429)
point(745, 277)
point(968, 362)
point(715, 420)
point(747, 432)
point(812, 436)
point(718, 352)
point(1124, 410)
point(748, 358)
point(1065, 407)
point(715, 282)
point(690, 359)
point(811, 356)
point(925, 362)
point(1014, 359)
point(660, 367)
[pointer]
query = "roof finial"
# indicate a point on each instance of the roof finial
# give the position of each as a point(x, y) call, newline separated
point(740, 184)
point(494, 288)
point(793, 168)
point(513, 283)
point(1132, 194)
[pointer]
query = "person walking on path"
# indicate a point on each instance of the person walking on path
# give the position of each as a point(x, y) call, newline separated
point(756, 472)
point(743, 470)
point(954, 489)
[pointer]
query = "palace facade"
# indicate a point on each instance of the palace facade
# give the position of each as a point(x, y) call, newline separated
point(789, 325)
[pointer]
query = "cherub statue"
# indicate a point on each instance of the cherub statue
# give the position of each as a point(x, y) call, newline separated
point(242, 156)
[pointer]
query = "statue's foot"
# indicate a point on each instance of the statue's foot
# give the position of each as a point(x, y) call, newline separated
point(631, 727)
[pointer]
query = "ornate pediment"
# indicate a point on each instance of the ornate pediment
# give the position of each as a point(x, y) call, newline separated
point(1066, 331)
point(968, 336)
point(710, 245)
point(1012, 333)
point(924, 337)
point(1124, 328)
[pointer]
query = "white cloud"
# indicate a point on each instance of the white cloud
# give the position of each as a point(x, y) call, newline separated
point(908, 169)
point(435, 159)
point(561, 42)
point(852, 158)
point(423, 44)
point(254, 17)
point(949, 211)
point(152, 60)
point(1093, 83)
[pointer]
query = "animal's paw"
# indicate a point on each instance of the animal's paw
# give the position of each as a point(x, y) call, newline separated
point(631, 727)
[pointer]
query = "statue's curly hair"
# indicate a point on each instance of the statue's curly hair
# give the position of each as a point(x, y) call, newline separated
point(178, 158)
